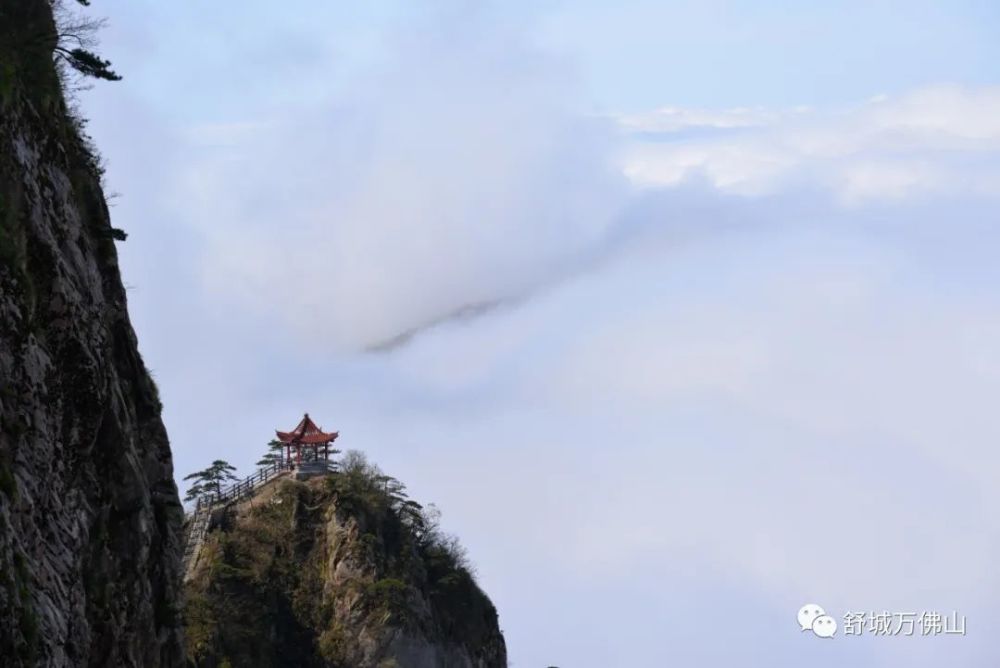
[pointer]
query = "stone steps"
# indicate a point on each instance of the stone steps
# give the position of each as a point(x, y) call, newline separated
point(197, 530)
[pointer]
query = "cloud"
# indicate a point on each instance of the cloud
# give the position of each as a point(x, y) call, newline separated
point(422, 189)
point(675, 119)
point(937, 140)
point(422, 192)
point(800, 410)
point(764, 377)
point(789, 412)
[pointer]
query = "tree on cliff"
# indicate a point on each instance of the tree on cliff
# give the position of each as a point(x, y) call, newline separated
point(209, 481)
point(274, 454)
point(75, 40)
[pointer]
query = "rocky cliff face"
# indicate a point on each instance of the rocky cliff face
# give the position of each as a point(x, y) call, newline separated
point(337, 572)
point(89, 515)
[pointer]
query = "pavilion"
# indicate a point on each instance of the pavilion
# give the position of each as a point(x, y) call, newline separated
point(308, 436)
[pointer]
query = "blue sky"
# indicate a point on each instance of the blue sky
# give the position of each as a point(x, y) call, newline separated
point(771, 53)
point(743, 328)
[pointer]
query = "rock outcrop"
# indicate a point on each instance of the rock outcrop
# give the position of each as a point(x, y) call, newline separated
point(89, 515)
point(337, 571)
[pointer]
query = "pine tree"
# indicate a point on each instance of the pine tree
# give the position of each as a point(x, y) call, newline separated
point(209, 481)
point(87, 63)
point(275, 453)
point(75, 39)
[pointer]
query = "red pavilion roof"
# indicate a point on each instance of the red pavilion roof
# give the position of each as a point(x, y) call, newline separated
point(306, 433)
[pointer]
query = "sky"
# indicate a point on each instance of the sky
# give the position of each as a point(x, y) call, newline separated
point(684, 314)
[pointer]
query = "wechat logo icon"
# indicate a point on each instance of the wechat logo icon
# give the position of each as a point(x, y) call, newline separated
point(813, 618)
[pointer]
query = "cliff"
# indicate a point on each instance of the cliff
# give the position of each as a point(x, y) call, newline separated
point(89, 515)
point(337, 571)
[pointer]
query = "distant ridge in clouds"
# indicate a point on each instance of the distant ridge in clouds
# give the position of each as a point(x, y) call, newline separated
point(467, 312)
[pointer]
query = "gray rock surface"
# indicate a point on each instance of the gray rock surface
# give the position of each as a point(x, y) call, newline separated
point(89, 515)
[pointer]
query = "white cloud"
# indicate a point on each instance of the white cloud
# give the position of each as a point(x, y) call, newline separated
point(946, 113)
point(937, 140)
point(652, 437)
point(675, 119)
point(422, 188)
point(808, 419)
point(680, 405)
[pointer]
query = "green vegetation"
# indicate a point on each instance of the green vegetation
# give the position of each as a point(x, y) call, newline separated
point(390, 597)
point(31, 38)
point(274, 454)
point(87, 63)
point(113, 233)
point(298, 575)
point(209, 481)
point(75, 39)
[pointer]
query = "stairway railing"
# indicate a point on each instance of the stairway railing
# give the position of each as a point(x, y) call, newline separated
point(244, 487)
point(201, 516)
